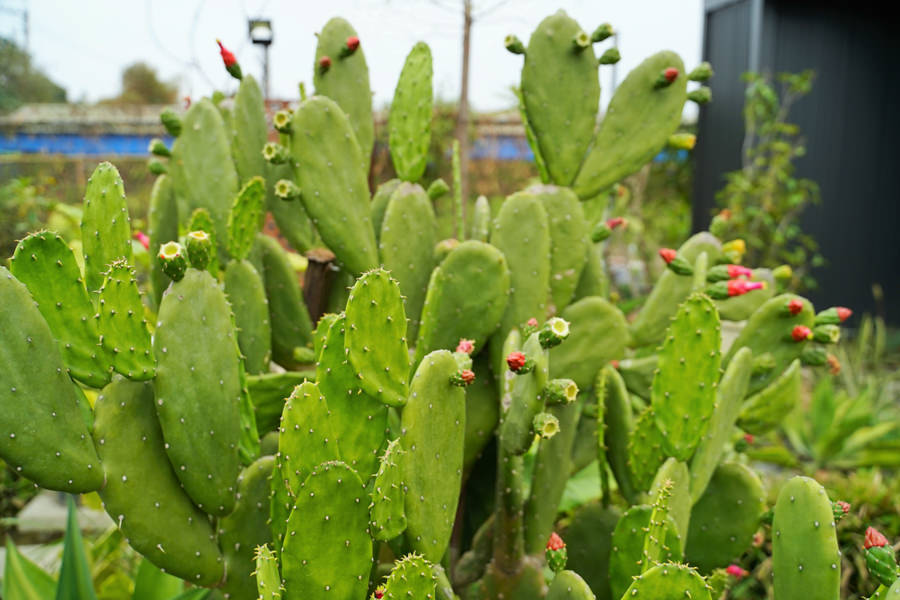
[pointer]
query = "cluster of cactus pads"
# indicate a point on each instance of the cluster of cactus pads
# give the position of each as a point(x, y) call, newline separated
point(242, 446)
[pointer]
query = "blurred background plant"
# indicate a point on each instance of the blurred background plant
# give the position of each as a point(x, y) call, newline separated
point(763, 201)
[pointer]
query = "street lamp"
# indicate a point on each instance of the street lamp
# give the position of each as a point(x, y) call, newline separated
point(261, 34)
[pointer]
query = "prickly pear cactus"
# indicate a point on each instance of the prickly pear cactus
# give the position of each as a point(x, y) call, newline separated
point(627, 556)
point(247, 295)
point(123, 327)
point(409, 123)
point(288, 317)
point(268, 579)
point(766, 409)
point(248, 130)
point(561, 94)
point(142, 493)
point(198, 389)
point(47, 267)
point(105, 224)
point(346, 81)
point(327, 549)
point(162, 227)
point(432, 434)
point(568, 585)
point(245, 217)
point(592, 319)
point(388, 519)
point(45, 434)
point(411, 577)
point(806, 562)
point(669, 581)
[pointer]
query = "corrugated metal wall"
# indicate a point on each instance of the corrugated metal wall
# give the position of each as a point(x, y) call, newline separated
point(850, 123)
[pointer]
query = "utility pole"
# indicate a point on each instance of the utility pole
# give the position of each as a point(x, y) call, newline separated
point(261, 35)
point(462, 116)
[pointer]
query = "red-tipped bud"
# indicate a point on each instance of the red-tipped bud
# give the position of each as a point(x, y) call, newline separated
point(667, 254)
point(748, 437)
point(614, 363)
point(736, 571)
point(555, 542)
point(532, 322)
point(615, 222)
point(874, 538)
point(735, 271)
point(795, 306)
point(516, 361)
point(227, 56)
point(671, 74)
point(324, 64)
point(467, 376)
point(379, 594)
point(800, 333)
point(843, 313)
point(465, 346)
point(844, 506)
point(352, 43)
point(739, 287)
point(141, 237)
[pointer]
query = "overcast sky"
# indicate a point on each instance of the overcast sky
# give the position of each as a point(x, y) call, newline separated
point(85, 44)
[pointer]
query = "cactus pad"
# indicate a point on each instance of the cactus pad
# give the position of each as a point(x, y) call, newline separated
point(765, 410)
point(305, 437)
point(123, 328)
point(105, 224)
point(247, 295)
point(627, 557)
point(411, 577)
point(599, 334)
point(245, 217)
point(387, 516)
point(669, 581)
point(409, 123)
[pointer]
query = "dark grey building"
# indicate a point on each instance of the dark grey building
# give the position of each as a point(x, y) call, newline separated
point(850, 121)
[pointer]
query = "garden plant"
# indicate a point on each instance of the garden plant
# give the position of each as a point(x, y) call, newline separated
point(416, 440)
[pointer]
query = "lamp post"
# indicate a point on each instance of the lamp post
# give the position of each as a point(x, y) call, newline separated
point(261, 34)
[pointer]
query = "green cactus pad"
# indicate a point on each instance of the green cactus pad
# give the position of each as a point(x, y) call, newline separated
point(411, 577)
point(198, 389)
point(268, 579)
point(387, 516)
point(599, 334)
point(645, 450)
point(481, 220)
point(522, 233)
point(467, 296)
point(769, 331)
point(306, 437)
point(328, 167)
point(627, 557)
point(105, 224)
point(380, 201)
point(143, 495)
point(241, 532)
point(482, 411)
point(327, 549)
point(409, 123)
point(729, 397)
point(670, 291)
point(42, 433)
point(551, 472)
point(281, 503)
point(561, 95)
point(289, 319)
point(248, 130)
point(806, 562)
point(162, 227)
point(408, 236)
point(202, 221)
point(358, 419)
point(516, 435)
point(568, 585)
point(376, 337)
point(765, 410)
point(433, 433)
point(202, 169)
point(617, 423)
point(269, 391)
point(45, 264)
point(247, 295)
point(740, 308)
point(245, 218)
point(679, 504)
point(683, 395)
point(725, 517)
point(568, 242)
point(594, 280)
point(637, 125)
point(123, 328)
point(669, 581)
point(588, 541)
point(347, 81)
point(292, 221)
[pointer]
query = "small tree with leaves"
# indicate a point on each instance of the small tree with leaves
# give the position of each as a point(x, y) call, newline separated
point(762, 202)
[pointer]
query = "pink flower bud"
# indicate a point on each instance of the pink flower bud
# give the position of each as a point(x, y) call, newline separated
point(515, 360)
point(735, 271)
point(800, 333)
point(874, 538)
point(736, 571)
point(465, 346)
point(555, 542)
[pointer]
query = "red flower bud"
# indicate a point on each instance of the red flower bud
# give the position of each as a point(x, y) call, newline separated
point(465, 346)
point(532, 322)
point(379, 594)
point(227, 56)
point(614, 363)
point(748, 437)
point(324, 64)
point(467, 376)
point(615, 222)
point(736, 571)
point(555, 542)
point(667, 254)
point(671, 74)
point(843, 313)
point(800, 333)
point(735, 271)
point(352, 43)
point(845, 506)
point(515, 360)
point(739, 287)
point(795, 306)
point(143, 239)
point(874, 538)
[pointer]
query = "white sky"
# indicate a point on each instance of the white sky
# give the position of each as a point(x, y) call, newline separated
point(85, 44)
